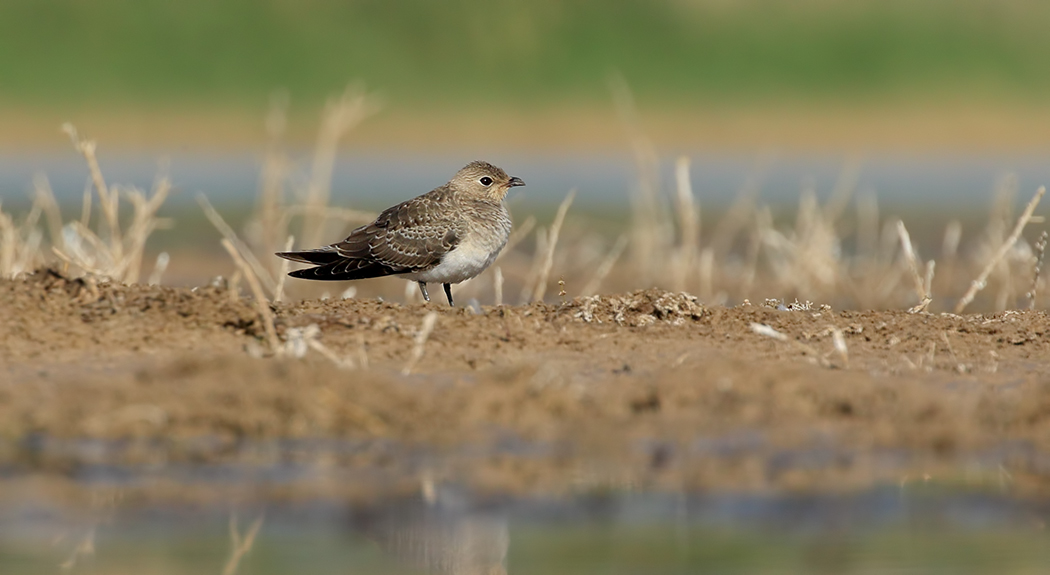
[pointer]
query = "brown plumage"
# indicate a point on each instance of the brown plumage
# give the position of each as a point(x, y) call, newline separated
point(447, 235)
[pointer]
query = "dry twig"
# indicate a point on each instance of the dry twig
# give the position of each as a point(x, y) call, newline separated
point(421, 341)
point(552, 242)
point(982, 279)
point(241, 545)
point(605, 267)
point(767, 331)
point(229, 235)
point(1037, 268)
point(261, 304)
point(921, 288)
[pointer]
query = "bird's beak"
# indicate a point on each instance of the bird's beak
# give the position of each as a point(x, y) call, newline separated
point(515, 181)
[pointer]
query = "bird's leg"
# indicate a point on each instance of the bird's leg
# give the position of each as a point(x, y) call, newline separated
point(423, 288)
point(448, 294)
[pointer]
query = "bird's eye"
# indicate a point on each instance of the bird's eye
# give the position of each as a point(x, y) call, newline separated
point(486, 181)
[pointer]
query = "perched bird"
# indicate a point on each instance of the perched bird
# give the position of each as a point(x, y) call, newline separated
point(447, 235)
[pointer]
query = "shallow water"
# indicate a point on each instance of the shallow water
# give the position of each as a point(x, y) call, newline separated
point(371, 180)
point(80, 507)
point(920, 529)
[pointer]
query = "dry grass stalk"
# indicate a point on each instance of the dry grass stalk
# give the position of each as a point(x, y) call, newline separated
point(808, 259)
point(838, 340)
point(844, 189)
point(921, 287)
point(767, 331)
point(261, 304)
point(1037, 268)
point(959, 366)
point(950, 244)
point(552, 243)
point(241, 545)
point(85, 207)
point(84, 548)
point(282, 272)
point(742, 210)
point(537, 262)
point(259, 271)
point(867, 226)
point(362, 351)
point(706, 269)
point(159, 267)
point(19, 244)
point(982, 279)
point(651, 228)
point(45, 198)
point(419, 347)
point(689, 226)
point(233, 286)
point(298, 340)
point(269, 214)
point(108, 199)
point(112, 252)
point(497, 285)
point(143, 223)
point(340, 116)
point(270, 225)
point(591, 288)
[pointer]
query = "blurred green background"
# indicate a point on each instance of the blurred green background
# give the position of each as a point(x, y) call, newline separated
point(515, 54)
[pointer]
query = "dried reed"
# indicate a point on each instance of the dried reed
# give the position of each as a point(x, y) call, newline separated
point(591, 288)
point(497, 285)
point(688, 225)
point(419, 346)
point(282, 272)
point(750, 253)
point(551, 244)
point(240, 544)
point(982, 279)
point(298, 340)
point(111, 252)
point(341, 115)
point(1037, 267)
point(244, 252)
point(767, 331)
point(261, 304)
point(921, 287)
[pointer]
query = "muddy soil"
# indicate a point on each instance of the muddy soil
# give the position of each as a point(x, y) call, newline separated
point(649, 389)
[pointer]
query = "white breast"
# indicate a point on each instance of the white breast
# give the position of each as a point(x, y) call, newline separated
point(475, 253)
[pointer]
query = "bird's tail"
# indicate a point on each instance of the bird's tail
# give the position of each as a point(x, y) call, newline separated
point(333, 266)
point(342, 270)
point(319, 256)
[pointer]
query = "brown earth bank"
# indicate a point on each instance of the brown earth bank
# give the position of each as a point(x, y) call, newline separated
point(939, 125)
point(644, 389)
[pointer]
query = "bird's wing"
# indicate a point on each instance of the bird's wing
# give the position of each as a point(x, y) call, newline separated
point(411, 236)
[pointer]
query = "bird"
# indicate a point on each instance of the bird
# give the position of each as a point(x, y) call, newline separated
point(447, 235)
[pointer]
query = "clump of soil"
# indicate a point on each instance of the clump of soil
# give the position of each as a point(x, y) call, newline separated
point(650, 385)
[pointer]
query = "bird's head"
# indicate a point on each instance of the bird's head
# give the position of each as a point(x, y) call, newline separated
point(483, 180)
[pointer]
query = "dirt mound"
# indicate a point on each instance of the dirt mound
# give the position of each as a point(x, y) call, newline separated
point(636, 309)
point(650, 381)
point(62, 318)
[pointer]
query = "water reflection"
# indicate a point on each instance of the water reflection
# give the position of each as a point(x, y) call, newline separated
point(920, 529)
point(442, 541)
